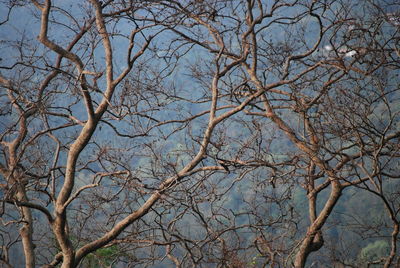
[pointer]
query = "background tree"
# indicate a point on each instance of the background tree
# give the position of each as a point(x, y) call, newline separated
point(197, 133)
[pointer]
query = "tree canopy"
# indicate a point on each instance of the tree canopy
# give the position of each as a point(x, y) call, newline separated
point(212, 133)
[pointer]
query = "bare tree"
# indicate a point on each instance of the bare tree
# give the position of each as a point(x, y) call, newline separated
point(180, 132)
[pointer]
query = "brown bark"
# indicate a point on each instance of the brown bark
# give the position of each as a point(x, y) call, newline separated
point(393, 250)
point(26, 231)
point(313, 239)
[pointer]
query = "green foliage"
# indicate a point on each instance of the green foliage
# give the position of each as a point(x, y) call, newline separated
point(101, 258)
point(253, 262)
point(374, 251)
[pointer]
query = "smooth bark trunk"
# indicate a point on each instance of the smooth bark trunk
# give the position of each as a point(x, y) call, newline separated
point(26, 231)
point(313, 240)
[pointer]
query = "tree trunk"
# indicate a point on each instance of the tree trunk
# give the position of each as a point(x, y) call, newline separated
point(313, 240)
point(393, 250)
point(61, 232)
point(26, 231)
